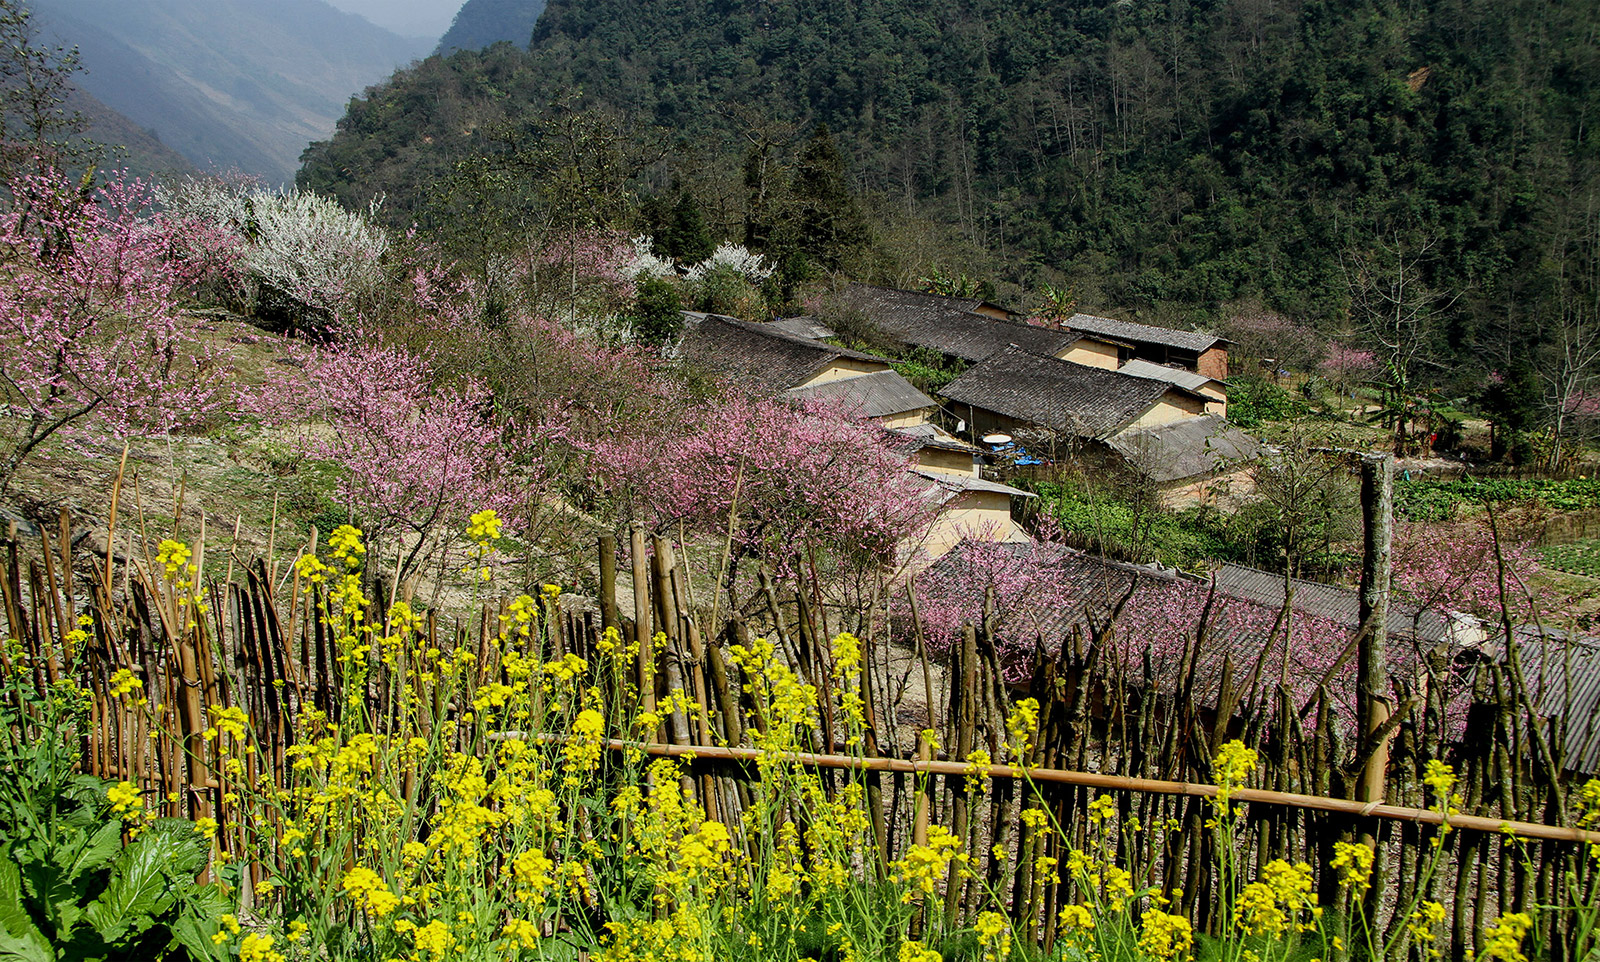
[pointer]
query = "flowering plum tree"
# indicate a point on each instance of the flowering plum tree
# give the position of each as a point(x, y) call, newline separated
point(90, 339)
point(306, 261)
point(1343, 365)
point(1454, 569)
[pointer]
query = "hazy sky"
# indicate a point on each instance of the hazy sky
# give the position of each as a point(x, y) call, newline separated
point(410, 18)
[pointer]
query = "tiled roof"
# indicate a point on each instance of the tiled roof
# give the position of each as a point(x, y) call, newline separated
point(1342, 605)
point(756, 356)
point(877, 395)
point(1142, 333)
point(1188, 448)
point(805, 326)
point(1163, 372)
point(947, 325)
point(1562, 673)
point(1064, 396)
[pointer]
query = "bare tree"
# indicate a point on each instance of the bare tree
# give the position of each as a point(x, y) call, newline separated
point(37, 127)
point(1572, 374)
point(1393, 305)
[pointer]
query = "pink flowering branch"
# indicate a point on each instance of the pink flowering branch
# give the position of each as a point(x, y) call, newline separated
point(90, 340)
point(792, 481)
point(417, 459)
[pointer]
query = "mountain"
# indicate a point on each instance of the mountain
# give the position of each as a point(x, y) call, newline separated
point(484, 23)
point(1170, 158)
point(408, 18)
point(128, 145)
point(243, 84)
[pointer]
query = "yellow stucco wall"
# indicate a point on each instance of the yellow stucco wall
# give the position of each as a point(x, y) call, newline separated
point(947, 462)
point(980, 515)
point(1191, 492)
point(842, 368)
point(1091, 353)
point(909, 419)
point(1170, 407)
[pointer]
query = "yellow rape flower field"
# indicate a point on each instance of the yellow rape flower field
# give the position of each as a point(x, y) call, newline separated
point(502, 804)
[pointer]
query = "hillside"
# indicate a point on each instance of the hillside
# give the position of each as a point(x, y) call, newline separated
point(129, 145)
point(227, 83)
point(409, 18)
point(1165, 157)
point(484, 23)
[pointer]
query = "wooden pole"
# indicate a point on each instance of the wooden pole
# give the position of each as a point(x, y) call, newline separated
point(608, 582)
point(1372, 685)
point(1056, 776)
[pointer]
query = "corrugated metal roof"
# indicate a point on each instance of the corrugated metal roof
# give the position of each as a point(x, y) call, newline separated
point(1190, 448)
point(1064, 396)
point(913, 438)
point(959, 483)
point(947, 325)
point(1164, 606)
point(1172, 375)
point(877, 395)
point(758, 357)
point(1143, 333)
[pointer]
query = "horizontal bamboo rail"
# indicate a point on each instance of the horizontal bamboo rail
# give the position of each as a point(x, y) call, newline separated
point(1530, 830)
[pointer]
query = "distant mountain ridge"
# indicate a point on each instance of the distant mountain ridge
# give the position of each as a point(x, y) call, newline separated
point(128, 145)
point(484, 23)
point(243, 84)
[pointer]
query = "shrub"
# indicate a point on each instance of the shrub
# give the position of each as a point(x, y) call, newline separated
point(1253, 401)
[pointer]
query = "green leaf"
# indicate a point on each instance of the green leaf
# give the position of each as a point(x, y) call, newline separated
point(146, 879)
point(202, 906)
point(95, 850)
point(20, 938)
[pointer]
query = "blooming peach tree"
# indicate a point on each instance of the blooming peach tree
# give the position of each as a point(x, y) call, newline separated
point(782, 482)
point(416, 458)
point(91, 344)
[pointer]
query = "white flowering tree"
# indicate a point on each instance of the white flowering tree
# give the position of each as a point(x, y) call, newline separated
point(304, 260)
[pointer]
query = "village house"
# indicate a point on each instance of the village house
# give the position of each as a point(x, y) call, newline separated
point(1019, 392)
point(774, 361)
point(970, 330)
point(1195, 460)
point(1216, 391)
point(1205, 354)
point(769, 360)
point(971, 507)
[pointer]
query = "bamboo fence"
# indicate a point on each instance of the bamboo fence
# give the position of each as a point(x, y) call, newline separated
point(1105, 726)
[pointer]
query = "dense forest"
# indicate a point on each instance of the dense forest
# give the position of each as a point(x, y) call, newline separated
point(1175, 159)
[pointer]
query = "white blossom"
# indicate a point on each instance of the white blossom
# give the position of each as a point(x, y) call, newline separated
point(754, 267)
point(644, 263)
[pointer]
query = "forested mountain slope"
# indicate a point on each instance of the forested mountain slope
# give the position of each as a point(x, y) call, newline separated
point(1170, 156)
point(484, 23)
point(227, 83)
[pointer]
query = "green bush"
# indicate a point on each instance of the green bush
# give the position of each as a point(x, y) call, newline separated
point(1253, 401)
point(71, 888)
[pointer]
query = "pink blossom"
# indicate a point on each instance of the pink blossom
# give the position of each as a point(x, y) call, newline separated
point(416, 458)
point(90, 338)
point(791, 479)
